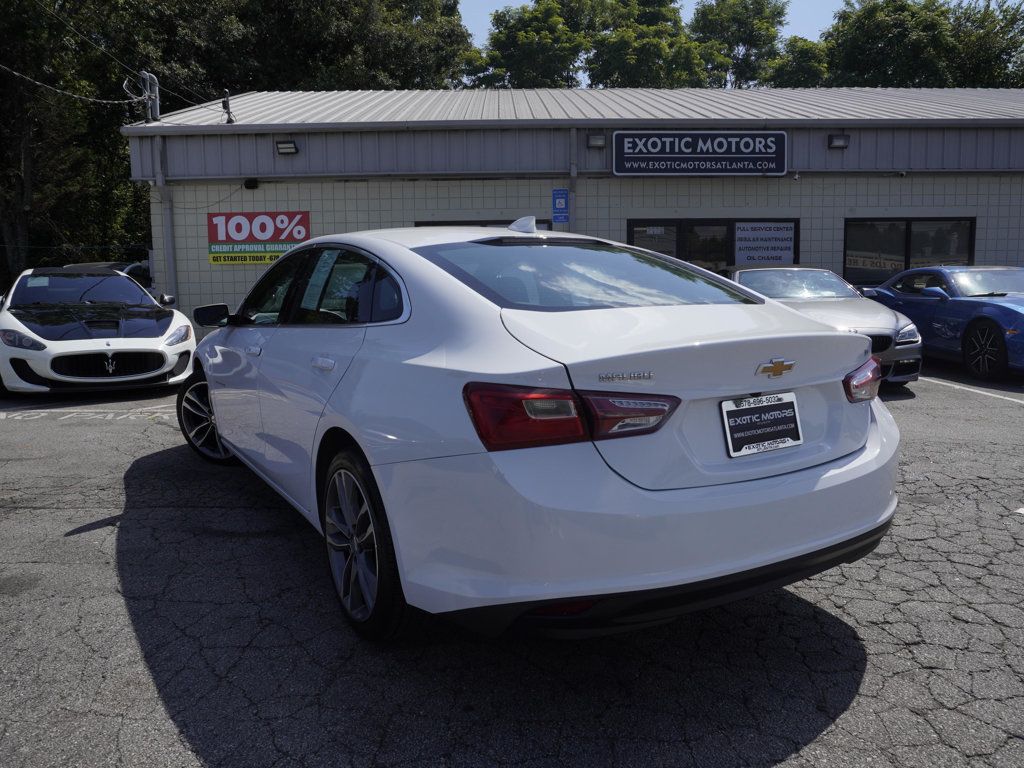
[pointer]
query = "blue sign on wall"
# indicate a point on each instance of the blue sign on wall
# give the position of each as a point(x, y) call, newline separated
point(560, 206)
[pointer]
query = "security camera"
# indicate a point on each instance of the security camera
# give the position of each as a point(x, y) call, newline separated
point(901, 174)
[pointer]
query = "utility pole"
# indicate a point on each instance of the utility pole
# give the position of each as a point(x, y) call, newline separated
point(151, 89)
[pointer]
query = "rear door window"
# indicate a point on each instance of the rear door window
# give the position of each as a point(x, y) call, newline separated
point(563, 275)
point(338, 290)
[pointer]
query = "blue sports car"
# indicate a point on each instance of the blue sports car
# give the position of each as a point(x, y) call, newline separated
point(974, 314)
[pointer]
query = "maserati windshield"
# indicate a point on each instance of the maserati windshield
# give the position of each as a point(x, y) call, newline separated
point(77, 288)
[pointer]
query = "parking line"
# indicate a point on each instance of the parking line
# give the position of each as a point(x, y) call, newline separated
point(972, 389)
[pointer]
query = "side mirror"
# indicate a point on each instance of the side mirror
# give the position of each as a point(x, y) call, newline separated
point(166, 300)
point(934, 292)
point(868, 293)
point(211, 316)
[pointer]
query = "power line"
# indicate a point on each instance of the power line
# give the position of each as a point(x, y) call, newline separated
point(135, 72)
point(73, 95)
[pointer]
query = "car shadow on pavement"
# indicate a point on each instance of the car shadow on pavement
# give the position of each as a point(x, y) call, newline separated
point(240, 630)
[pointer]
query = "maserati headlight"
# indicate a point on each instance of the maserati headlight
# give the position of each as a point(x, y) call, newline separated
point(182, 334)
point(909, 335)
point(21, 341)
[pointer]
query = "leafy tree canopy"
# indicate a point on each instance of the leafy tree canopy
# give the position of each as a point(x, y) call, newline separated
point(532, 46)
point(643, 44)
point(891, 43)
point(803, 64)
point(739, 38)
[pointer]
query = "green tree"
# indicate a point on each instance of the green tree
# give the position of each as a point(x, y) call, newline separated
point(644, 44)
point(738, 38)
point(803, 64)
point(532, 46)
point(891, 44)
point(989, 50)
point(63, 164)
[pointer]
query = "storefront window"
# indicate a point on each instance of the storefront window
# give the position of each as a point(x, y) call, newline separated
point(940, 242)
point(656, 237)
point(720, 244)
point(876, 250)
point(707, 245)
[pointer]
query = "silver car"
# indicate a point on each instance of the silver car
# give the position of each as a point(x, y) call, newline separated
point(826, 297)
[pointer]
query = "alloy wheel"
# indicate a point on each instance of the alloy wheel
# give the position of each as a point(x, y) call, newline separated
point(200, 423)
point(983, 350)
point(351, 544)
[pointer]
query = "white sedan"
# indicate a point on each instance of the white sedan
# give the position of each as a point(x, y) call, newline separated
point(516, 427)
point(87, 328)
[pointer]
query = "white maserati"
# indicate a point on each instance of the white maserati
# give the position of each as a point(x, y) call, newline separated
point(508, 426)
point(88, 328)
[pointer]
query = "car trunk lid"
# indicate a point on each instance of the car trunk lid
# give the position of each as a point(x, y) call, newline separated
point(706, 355)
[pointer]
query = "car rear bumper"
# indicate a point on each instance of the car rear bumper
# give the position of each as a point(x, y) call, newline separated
point(518, 528)
point(603, 614)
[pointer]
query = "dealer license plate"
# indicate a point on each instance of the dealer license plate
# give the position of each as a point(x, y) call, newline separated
point(759, 424)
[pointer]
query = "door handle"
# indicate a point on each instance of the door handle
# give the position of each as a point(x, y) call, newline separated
point(322, 363)
point(254, 351)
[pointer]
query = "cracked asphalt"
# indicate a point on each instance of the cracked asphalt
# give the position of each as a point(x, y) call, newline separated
point(157, 611)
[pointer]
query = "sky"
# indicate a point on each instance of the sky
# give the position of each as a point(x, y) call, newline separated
point(807, 18)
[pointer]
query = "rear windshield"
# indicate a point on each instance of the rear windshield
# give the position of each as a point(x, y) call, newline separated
point(556, 276)
point(78, 288)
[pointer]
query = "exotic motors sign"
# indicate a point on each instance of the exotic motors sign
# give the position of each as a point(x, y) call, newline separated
point(699, 153)
point(254, 238)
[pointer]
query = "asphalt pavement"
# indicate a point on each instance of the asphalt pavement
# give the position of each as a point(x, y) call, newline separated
point(158, 611)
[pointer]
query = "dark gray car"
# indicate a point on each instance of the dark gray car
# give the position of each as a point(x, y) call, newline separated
point(826, 297)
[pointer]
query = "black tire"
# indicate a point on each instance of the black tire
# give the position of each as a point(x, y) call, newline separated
point(984, 350)
point(351, 555)
point(193, 406)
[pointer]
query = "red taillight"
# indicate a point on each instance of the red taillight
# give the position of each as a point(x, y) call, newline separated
point(621, 414)
point(862, 385)
point(521, 417)
point(508, 417)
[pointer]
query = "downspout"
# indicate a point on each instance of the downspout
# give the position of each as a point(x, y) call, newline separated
point(573, 169)
point(167, 217)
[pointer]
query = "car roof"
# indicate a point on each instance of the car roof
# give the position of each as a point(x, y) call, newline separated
point(417, 237)
point(796, 268)
point(955, 268)
point(74, 270)
point(119, 265)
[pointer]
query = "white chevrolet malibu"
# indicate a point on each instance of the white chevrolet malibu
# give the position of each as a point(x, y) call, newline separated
point(553, 431)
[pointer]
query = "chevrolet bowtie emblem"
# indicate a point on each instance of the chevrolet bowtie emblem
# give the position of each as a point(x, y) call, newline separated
point(775, 367)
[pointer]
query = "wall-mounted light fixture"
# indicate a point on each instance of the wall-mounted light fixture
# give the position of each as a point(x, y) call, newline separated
point(838, 140)
point(595, 141)
point(287, 147)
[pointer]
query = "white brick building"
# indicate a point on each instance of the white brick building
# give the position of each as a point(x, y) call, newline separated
point(868, 182)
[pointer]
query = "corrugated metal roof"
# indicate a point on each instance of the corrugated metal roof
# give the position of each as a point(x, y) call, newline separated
point(278, 111)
